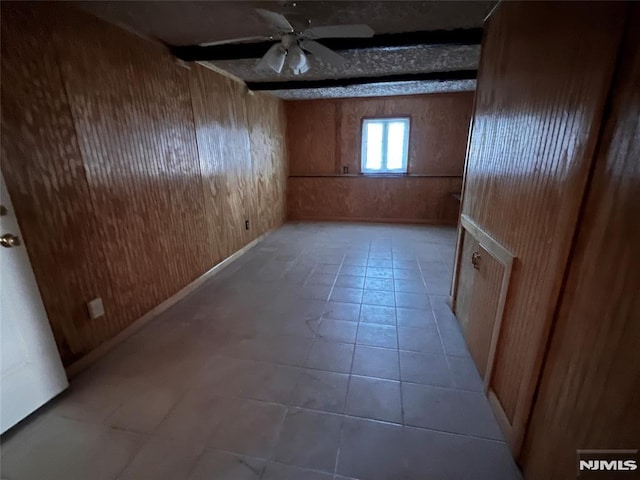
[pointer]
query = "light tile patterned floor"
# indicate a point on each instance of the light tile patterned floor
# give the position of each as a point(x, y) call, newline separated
point(326, 352)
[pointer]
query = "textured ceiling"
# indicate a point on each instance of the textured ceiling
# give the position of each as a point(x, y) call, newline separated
point(377, 90)
point(191, 23)
point(362, 63)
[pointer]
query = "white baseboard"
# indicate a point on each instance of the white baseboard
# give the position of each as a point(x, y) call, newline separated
point(90, 358)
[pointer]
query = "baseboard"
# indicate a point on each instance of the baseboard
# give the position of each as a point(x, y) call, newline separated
point(409, 221)
point(90, 358)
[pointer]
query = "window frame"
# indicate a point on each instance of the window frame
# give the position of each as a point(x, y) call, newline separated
point(385, 120)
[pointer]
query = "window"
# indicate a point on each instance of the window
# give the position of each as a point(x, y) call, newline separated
point(385, 145)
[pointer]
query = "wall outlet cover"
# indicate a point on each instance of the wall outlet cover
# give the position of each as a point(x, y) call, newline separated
point(96, 308)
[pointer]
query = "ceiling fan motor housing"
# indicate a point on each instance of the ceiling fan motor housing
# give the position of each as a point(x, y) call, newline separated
point(289, 40)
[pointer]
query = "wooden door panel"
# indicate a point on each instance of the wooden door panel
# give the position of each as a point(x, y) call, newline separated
point(481, 293)
point(484, 305)
point(465, 280)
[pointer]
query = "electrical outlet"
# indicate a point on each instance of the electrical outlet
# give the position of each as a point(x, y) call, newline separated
point(96, 308)
point(345, 169)
point(246, 224)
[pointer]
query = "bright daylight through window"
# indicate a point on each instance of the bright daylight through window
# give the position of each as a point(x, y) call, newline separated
point(385, 145)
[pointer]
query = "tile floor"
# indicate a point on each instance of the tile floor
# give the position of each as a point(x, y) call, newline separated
point(326, 352)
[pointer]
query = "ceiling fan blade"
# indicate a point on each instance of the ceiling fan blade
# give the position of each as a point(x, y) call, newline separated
point(273, 59)
point(276, 20)
point(323, 53)
point(339, 31)
point(236, 40)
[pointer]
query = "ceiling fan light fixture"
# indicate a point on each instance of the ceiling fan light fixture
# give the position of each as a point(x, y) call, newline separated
point(293, 43)
point(277, 63)
point(274, 59)
point(297, 60)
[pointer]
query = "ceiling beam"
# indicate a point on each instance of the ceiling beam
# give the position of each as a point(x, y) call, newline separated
point(231, 51)
point(346, 82)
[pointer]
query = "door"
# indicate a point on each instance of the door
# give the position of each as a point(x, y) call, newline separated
point(31, 372)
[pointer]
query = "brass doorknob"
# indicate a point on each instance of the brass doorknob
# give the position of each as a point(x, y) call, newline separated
point(9, 240)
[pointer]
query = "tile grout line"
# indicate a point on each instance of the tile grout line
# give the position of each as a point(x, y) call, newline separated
point(295, 385)
point(402, 413)
point(433, 312)
point(353, 356)
point(325, 412)
point(276, 440)
point(335, 463)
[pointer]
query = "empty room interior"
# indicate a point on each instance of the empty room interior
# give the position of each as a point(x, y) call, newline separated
point(320, 240)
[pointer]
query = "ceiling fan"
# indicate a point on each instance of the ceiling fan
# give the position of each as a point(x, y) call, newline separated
point(292, 44)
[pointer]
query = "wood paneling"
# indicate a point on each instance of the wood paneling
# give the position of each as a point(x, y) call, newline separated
point(545, 71)
point(131, 176)
point(325, 135)
point(134, 127)
point(225, 166)
point(438, 136)
point(589, 395)
point(403, 199)
point(311, 136)
point(45, 174)
point(267, 137)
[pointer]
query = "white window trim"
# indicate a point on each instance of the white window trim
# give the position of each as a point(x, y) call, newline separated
point(403, 170)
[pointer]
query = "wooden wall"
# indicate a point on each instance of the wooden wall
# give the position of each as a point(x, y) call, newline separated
point(324, 136)
point(405, 199)
point(589, 396)
point(544, 76)
point(131, 176)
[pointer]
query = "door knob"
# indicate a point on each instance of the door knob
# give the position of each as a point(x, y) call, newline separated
point(475, 260)
point(9, 240)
